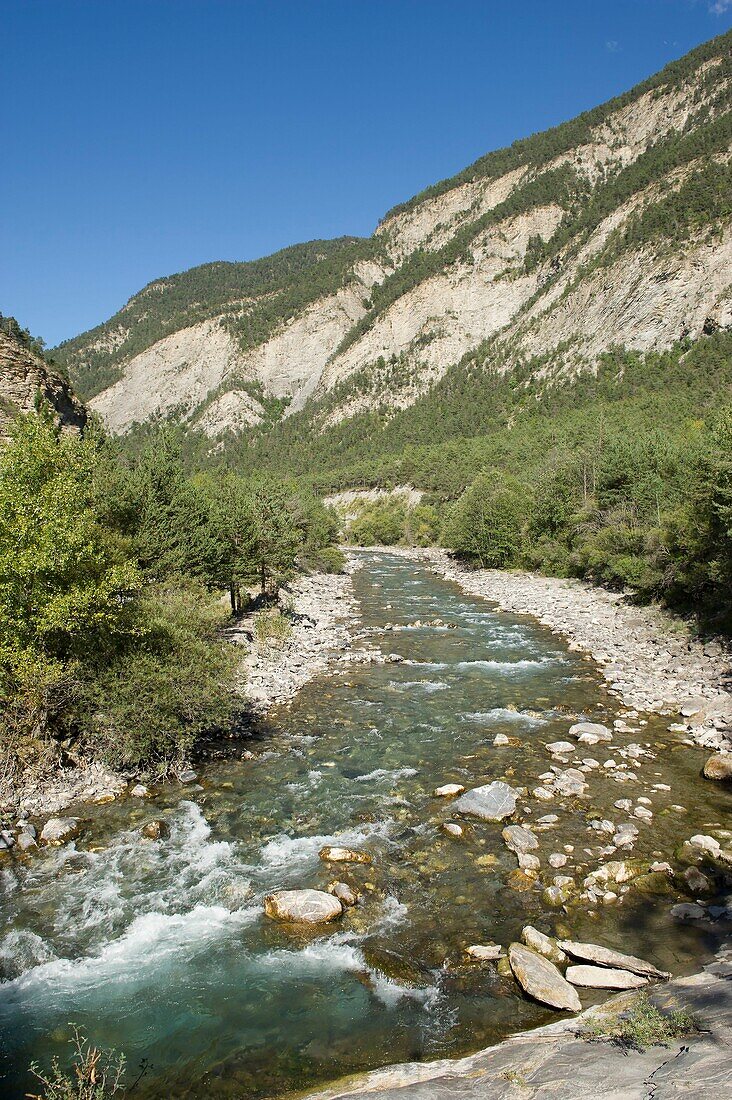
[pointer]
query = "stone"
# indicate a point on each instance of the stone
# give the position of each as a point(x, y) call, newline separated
point(345, 894)
point(448, 790)
point(697, 882)
point(334, 854)
point(557, 859)
point(604, 956)
point(187, 776)
point(643, 813)
point(590, 732)
point(528, 862)
point(688, 911)
point(155, 830)
point(25, 841)
point(543, 794)
point(520, 881)
point(545, 945)
point(540, 978)
point(561, 748)
point(58, 829)
point(519, 839)
point(718, 766)
point(303, 906)
point(571, 782)
point(706, 843)
point(485, 952)
point(452, 829)
point(140, 791)
point(600, 977)
point(491, 802)
point(500, 739)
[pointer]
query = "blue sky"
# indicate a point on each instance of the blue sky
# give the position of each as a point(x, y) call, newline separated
point(141, 137)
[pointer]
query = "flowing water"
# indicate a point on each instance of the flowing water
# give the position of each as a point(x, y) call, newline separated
point(160, 949)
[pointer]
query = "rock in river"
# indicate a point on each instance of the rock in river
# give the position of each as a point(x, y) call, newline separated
point(304, 906)
point(718, 766)
point(518, 839)
point(590, 733)
point(491, 803)
point(541, 980)
point(58, 829)
point(603, 956)
point(600, 977)
point(542, 944)
point(333, 854)
point(485, 952)
point(448, 790)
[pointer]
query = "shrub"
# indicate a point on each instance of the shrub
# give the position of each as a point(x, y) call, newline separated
point(641, 1027)
point(94, 1074)
point(486, 524)
point(272, 629)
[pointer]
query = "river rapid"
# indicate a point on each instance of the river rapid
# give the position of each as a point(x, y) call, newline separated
point(160, 948)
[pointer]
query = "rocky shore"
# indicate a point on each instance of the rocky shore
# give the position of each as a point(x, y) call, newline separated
point(557, 1061)
point(649, 657)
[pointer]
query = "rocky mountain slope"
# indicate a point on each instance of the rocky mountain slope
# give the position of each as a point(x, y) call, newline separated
point(611, 229)
point(27, 383)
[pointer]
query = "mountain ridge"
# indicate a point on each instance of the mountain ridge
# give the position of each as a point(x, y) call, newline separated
point(612, 228)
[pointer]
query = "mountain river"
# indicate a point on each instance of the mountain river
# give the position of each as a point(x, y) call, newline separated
point(161, 950)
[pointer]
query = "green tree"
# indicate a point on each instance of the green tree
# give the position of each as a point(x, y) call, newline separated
point(486, 524)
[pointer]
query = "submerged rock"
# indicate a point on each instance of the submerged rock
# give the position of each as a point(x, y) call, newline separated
point(600, 977)
point(155, 830)
point(604, 956)
point(491, 802)
point(304, 906)
point(140, 791)
point(452, 829)
point(345, 894)
point(334, 854)
point(541, 980)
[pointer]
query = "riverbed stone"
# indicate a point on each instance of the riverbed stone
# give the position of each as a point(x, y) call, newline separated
point(140, 791)
point(346, 894)
point(59, 829)
point(25, 841)
point(303, 906)
point(491, 802)
point(485, 952)
point(452, 828)
point(540, 978)
point(500, 739)
point(561, 748)
point(334, 854)
point(155, 830)
point(719, 766)
point(543, 944)
point(519, 839)
point(590, 733)
point(605, 956)
point(600, 977)
point(447, 790)
point(521, 881)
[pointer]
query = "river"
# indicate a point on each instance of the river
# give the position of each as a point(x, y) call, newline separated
point(160, 948)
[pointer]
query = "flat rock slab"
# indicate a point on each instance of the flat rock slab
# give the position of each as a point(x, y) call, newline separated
point(304, 906)
point(541, 980)
point(601, 977)
point(518, 839)
point(603, 956)
point(552, 1063)
point(492, 802)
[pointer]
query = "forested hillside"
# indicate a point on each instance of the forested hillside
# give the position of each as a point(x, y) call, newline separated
point(611, 229)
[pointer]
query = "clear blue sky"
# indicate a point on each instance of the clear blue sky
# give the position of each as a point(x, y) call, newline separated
point(141, 137)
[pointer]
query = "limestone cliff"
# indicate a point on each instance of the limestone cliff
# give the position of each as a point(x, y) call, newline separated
point(28, 383)
point(613, 228)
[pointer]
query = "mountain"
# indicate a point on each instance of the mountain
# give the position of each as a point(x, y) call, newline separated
point(611, 229)
point(28, 382)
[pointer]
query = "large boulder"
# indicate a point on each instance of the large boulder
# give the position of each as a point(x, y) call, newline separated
point(719, 766)
point(491, 802)
point(303, 906)
point(541, 980)
point(59, 829)
point(603, 956)
point(600, 977)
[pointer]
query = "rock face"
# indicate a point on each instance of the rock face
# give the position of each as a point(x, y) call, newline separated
point(719, 766)
point(491, 802)
point(25, 379)
point(303, 906)
point(541, 980)
point(603, 956)
point(600, 977)
point(499, 289)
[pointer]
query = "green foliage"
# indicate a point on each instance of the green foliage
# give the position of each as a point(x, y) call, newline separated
point(641, 1027)
point(272, 629)
point(94, 1074)
point(487, 523)
point(379, 523)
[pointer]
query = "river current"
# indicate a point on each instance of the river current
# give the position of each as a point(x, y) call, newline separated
point(160, 948)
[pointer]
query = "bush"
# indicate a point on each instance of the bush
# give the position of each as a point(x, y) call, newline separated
point(94, 1074)
point(641, 1027)
point(487, 523)
point(272, 629)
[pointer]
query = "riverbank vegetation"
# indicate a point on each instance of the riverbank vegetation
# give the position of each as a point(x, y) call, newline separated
point(117, 573)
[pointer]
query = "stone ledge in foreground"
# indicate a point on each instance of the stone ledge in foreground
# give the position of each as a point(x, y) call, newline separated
point(553, 1062)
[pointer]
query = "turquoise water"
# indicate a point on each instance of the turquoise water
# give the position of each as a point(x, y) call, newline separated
point(159, 948)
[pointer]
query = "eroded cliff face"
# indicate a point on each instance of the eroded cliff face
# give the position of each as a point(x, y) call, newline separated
point(468, 268)
point(27, 383)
